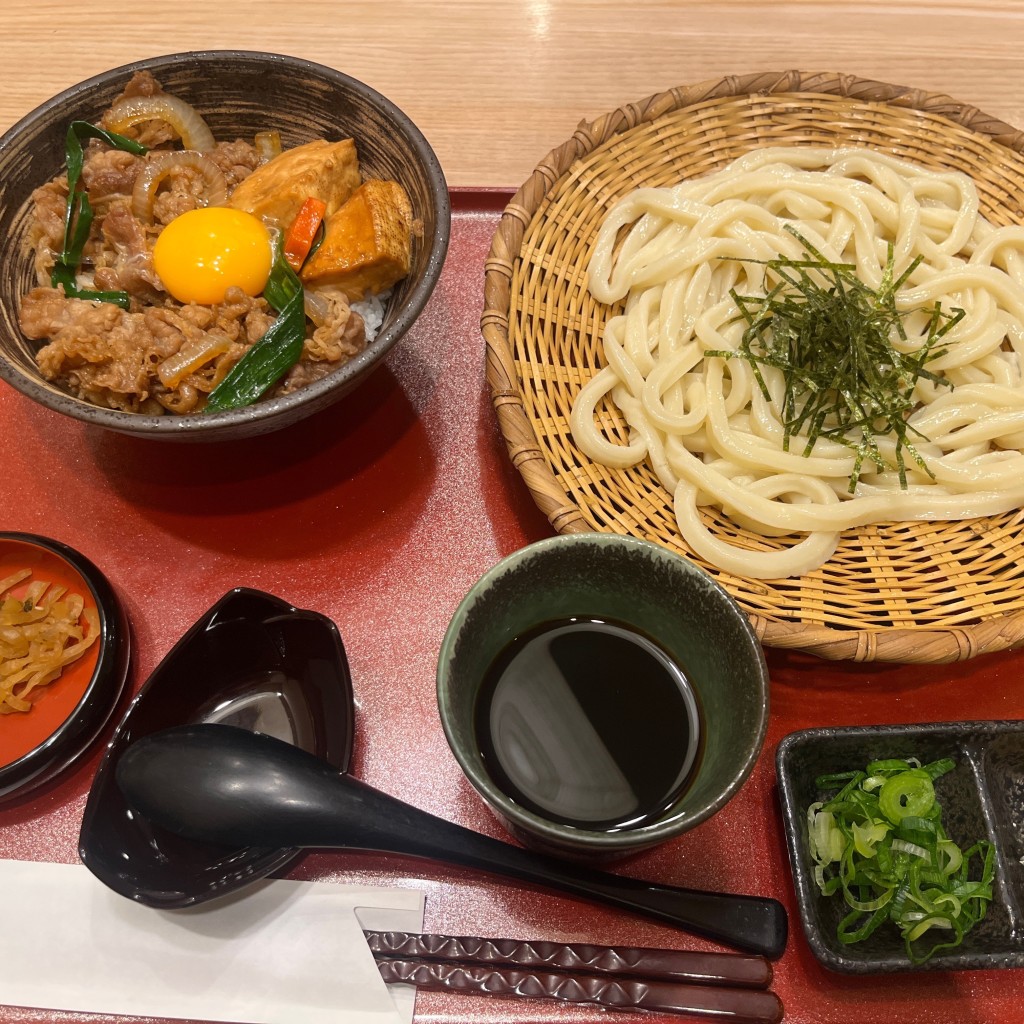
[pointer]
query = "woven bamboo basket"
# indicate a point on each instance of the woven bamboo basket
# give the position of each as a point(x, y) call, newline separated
point(901, 592)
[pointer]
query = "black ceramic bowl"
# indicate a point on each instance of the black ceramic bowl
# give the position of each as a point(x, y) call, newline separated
point(982, 798)
point(69, 713)
point(665, 599)
point(238, 94)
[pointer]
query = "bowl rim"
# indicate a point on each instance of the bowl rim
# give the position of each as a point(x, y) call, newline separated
point(87, 719)
point(228, 421)
point(566, 836)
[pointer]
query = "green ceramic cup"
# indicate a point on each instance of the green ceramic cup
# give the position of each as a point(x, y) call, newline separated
point(659, 594)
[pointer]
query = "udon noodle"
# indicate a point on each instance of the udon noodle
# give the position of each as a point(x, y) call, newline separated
point(703, 422)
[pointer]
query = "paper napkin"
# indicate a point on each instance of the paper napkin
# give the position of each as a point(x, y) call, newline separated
point(279, 952)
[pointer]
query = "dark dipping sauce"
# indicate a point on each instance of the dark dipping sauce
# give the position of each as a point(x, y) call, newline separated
point(589, 723)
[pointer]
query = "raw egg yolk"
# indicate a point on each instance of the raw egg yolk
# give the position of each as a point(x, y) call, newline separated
point(202, 253)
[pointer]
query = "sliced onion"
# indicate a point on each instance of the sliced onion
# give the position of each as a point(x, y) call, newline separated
point(267, 145)
point(183, 118)
point(160, 165)
point(190, 357)
point(317, 307)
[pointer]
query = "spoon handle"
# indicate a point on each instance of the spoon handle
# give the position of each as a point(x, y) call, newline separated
point(367, 819)
point(220, 784)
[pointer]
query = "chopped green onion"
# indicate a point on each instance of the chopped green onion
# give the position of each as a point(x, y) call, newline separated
point(892, 764)
point(938, 768)
point(908, 792)
point(881, 843)
point(911, 849)
point(275, 353)
point(78, 212)
point(866, 836)
point(828, 781)
point(952, 855)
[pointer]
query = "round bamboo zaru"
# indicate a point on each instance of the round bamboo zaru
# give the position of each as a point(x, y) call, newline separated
point(902, 592)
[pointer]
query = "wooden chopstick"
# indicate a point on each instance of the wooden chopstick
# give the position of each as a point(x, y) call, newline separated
point(623, 992)
point(685, 966)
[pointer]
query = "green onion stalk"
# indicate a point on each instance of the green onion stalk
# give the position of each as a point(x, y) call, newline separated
point(78, 213)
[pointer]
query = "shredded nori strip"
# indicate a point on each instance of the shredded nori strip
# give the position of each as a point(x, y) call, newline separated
point(831, 336)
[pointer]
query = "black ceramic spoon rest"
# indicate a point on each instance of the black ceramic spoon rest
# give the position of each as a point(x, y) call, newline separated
point(252, 661)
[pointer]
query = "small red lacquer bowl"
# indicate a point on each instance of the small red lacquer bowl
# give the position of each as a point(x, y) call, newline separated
point(68, 714)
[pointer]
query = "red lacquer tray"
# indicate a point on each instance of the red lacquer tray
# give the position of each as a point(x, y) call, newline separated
point(381, 513)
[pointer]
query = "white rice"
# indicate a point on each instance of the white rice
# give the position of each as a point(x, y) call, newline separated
point(371, 309)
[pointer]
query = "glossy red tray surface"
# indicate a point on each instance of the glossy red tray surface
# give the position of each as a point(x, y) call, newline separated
point(381, 513)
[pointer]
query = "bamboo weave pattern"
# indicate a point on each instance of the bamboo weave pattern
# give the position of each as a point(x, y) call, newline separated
point(905, 592)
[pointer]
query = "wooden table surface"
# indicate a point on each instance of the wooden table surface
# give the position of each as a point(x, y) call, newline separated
point(496, 86)
point(398, 481)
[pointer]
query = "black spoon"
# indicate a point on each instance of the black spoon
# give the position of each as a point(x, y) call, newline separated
point(221, 784)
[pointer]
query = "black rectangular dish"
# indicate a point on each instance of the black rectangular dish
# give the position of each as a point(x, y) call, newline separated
point(982, 798)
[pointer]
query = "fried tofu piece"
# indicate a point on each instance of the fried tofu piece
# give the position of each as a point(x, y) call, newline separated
point(275, 191)
point(367, 244)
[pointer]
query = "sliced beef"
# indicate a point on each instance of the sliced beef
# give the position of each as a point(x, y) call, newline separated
point(112, 357)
